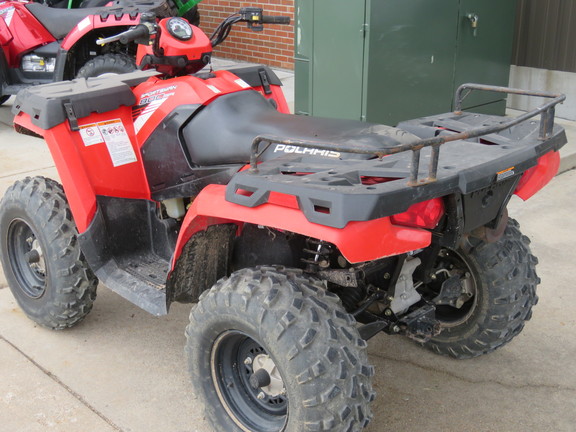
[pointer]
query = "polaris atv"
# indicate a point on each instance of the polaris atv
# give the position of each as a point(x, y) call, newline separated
point(187, 9)
point(299, 238)
point(40, 44)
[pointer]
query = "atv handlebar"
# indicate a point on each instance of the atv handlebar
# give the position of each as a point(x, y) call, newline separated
point(140, 33)
point(137, 32)
point(250, 15)
point(267, 19)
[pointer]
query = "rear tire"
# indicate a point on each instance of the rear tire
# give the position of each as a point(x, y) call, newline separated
point(504, 280)
point(39, 251)
point(107, 64)
point(317, 376)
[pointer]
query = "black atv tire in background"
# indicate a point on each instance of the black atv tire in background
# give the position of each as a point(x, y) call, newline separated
point(270, 350)
point(4, 99)
point(193, 16)
point(107, 64)
point(503, 281)
point(39, 251)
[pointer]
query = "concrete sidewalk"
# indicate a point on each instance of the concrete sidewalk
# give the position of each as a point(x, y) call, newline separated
point(124, 370)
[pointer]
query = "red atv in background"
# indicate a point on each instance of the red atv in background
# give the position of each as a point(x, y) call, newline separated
point(299, 238)
point(40, 44)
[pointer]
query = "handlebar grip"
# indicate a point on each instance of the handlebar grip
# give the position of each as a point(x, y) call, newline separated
point(268, 19)
point(140, 31)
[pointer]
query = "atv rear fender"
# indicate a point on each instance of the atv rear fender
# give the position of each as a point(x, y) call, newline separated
point(358, 241)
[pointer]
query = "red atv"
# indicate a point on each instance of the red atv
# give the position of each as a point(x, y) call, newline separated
point(40, 44)
point(299, 238)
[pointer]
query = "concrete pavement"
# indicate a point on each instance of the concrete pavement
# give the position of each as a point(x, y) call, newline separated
point(123, 370)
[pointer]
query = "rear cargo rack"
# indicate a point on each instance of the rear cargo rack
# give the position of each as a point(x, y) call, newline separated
point(547, 111)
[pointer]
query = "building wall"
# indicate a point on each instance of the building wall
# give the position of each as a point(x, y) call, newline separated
point(544, 55)
point(274, 46)
point(546, 35)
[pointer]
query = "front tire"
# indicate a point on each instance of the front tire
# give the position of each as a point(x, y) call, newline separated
point(270, 350)
point(39, 251)
point(107, 64)
point(501, 279)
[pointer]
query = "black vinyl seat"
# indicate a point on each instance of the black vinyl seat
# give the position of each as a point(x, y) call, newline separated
point(223, 131)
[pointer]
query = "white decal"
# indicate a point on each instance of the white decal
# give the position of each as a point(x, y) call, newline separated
point(305, 151)
point(7, 15)
point(242, 83)
point(214, 89)
point(118, 142)
point(91, 134)
point(84, 23)
point(155, 92)
point(505, 174)
point(148, 111)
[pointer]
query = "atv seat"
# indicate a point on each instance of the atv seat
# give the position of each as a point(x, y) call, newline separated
point(223, 131)
point(59, 22)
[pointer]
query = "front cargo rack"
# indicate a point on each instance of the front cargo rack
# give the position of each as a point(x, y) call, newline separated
point(547, 111)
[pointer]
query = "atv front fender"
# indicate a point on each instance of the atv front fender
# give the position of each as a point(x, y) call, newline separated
point(95, 22)
point(357, 241)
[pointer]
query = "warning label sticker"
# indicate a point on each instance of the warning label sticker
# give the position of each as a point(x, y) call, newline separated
point(91, 134)
point(117, 141)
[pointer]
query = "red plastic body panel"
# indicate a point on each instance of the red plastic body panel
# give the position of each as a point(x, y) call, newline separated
point(358, 241)
point(278, 95)
point(86, 167)
point(92, 22)
point(25, 31)
point(156, 98)
point(538, 176)
point(88, 170)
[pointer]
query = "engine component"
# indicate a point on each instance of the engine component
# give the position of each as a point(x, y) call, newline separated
point(405, 294)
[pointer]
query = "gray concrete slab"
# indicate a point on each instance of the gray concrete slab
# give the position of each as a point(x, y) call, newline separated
point(123, 370)
point(33, 400)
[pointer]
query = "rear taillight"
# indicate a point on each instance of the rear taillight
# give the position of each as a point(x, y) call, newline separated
point(425, 214)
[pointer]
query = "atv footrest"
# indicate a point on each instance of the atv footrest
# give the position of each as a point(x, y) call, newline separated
point(139, 283)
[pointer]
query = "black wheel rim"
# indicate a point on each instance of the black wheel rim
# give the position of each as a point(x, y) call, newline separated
point(232, 360)
point(26, 258)
point(452, 263)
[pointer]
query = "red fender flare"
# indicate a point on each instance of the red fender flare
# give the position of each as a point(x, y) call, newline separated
point(357, 241)
point(92, 22)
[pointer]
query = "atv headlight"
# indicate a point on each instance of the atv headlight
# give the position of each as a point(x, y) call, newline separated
point(33, 63)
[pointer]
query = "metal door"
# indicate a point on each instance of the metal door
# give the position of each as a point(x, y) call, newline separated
point(338, 58)
point(410, 59)
point(484, 50)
